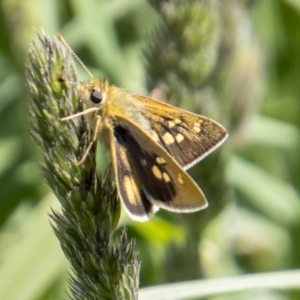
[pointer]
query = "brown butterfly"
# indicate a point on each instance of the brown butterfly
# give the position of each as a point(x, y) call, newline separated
point(151, 144)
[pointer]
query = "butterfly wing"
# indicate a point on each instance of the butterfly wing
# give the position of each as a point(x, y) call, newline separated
point(133, 198)
point(186, 136)
point(152, 173)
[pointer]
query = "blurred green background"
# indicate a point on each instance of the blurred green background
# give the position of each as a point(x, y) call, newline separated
point(255, 228)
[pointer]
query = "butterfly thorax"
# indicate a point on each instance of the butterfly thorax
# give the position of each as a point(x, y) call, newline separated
point(115, 104)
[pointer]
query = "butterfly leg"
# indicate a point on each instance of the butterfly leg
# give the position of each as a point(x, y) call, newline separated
point(94, 138)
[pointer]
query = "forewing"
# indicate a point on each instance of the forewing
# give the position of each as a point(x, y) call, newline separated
point(186, 136)
point(161, 178)
point(134, 200)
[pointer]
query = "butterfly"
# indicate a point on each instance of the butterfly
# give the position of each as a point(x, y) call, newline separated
point(151, 145)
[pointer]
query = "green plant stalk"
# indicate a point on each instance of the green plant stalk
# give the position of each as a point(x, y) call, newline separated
point(200, 289)
point(90, 208)
point(181, 57)
point(198, 59)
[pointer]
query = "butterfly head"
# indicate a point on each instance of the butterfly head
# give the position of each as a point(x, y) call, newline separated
point(93, 94)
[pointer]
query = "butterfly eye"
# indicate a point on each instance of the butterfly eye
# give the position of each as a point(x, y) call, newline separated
point(96, 97)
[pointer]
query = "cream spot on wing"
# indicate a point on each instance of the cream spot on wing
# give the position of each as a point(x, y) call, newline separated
point(160, 160)
point(179, 177)
point(166, 177)
point(156, 172)
point(168, 138)
point(179, 138)
point(131, 189)
point(155, 135)
point(170, 124)
point(196, 127)
point(177, 121)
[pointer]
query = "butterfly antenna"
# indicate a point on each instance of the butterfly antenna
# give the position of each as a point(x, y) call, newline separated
point(74, 54)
